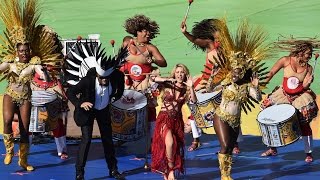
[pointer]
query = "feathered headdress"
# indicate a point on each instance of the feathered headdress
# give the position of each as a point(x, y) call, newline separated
point(244, 50)
point(21, 22)
point(86, 56)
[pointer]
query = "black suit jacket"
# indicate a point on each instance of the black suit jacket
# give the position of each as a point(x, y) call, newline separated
point(84, 91)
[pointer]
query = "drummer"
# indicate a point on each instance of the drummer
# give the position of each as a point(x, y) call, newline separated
point(205, 36)
point(142, 55)
point(56, 107)
point(50, 86)
point(295, 90)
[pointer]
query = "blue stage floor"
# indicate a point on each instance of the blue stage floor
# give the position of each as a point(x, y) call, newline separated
point(201, 164)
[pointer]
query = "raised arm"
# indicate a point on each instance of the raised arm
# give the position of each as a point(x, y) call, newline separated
point(254, 90)
point(205, 43)
point(189, 83)
point(281, 63)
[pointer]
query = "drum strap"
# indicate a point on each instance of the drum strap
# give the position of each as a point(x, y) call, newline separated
point(136, 87)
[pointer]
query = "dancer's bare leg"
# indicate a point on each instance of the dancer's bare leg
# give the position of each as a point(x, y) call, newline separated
point(169, 151)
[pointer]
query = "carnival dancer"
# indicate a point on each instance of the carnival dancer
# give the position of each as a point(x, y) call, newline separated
point(205, 36)
point(295, 90)
point(168, 138)
point(49, 96)
point(142, 56)
point(18, 66)
point(100, 85)
point(240, 56)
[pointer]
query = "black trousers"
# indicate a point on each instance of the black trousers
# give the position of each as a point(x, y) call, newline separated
point(104, 123)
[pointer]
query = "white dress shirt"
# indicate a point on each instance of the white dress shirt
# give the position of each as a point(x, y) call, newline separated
point(102, 95)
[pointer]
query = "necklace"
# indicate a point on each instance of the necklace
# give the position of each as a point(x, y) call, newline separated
point(140, 44)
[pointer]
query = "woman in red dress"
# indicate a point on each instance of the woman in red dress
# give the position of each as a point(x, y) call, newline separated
point(168, 138)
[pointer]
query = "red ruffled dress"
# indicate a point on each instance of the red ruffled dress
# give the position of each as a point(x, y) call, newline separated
point(169, 119)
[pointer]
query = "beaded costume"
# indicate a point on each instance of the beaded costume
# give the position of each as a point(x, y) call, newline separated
point(22, 28)
point(244, 50)
point(24, 49)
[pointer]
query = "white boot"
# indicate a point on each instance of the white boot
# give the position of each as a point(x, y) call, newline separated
point(196, 132)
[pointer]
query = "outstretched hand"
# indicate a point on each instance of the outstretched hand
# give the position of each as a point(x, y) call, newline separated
point(189, 82)
point(255, 79)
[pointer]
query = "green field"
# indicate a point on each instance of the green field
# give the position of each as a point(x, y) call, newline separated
point(82, 17)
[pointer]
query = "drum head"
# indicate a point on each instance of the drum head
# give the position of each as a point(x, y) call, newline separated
point(202, 97)
point(40, 98)
point(276, 113)
point(140, 101)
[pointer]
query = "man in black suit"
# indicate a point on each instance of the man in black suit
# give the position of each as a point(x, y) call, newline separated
point(92, 97)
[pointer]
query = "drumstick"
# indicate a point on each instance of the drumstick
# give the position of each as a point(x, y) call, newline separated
point(315, 63)
point(112, 44)
point(188, 8)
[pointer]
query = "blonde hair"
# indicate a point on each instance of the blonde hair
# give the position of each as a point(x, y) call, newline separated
point(185, 69)
point(301, 47)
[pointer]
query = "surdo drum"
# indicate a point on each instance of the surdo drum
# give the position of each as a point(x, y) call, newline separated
point(279, 125)
point(203, 110)
point(128, 116)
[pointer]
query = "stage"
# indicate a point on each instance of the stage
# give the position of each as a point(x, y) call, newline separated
point(80, 18)
point(201, 164)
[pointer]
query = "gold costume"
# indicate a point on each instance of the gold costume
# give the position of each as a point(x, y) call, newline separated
point(233, 96)
point(22, 30)
point(239, 58)
point(244, 50)
point(19, 84)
